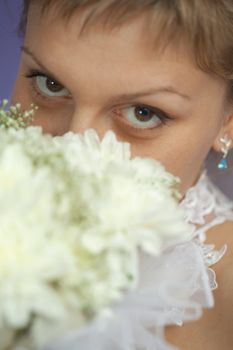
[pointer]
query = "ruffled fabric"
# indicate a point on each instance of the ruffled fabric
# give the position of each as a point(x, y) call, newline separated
point(173, 288)
point(206, 206)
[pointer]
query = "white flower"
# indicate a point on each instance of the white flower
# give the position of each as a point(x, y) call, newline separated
point(75, 210)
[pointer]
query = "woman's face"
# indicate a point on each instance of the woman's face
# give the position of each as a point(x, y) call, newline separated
point(159, 101)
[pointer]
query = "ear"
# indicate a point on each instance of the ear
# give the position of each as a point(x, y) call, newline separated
point(226, 129)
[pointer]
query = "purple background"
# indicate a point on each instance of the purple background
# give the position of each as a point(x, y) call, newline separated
point(9, 44)
point(9, 59)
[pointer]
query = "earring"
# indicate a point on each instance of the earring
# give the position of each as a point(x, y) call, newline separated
point(226, 145)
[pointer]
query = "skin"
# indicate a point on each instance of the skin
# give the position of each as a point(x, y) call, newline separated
point(97, 67)
point(214, 330)
point(96, 71)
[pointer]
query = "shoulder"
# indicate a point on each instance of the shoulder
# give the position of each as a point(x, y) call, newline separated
point(214, 330)
point(223, 311)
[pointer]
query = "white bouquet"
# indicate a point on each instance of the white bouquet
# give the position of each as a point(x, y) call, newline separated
point(74, 213)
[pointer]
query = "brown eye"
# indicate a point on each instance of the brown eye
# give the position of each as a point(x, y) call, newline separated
point(53, 86)
point(50, 88)
point(142, 117)
point(143, 114)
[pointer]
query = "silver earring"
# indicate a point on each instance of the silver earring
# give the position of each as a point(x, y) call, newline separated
point(226, 145)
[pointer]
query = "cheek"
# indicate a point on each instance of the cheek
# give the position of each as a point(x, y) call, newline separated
point(20, 92)
point(55, 121)
point(181, 159)
point(181, 148)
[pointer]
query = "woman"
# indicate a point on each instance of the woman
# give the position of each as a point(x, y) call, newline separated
point(159, 73)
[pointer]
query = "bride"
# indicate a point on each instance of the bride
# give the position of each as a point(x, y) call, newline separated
point(159, 73)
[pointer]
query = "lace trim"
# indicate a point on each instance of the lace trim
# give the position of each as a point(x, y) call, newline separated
point(206, 206)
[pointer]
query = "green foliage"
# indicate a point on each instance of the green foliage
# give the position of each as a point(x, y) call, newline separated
point(14, 117)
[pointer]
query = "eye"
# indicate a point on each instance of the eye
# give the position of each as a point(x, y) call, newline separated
point(50, 87)
point(143, 117)
point(47, 86)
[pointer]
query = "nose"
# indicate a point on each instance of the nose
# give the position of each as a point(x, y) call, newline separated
point(90, 118)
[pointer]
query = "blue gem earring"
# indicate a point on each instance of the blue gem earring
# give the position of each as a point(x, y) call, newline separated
point(226, 145)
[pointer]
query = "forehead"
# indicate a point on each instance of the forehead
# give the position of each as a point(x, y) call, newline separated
point(137, 30)
point(156, 28)
point(118, 58)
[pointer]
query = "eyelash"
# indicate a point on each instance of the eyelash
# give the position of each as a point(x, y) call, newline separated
point(164, 117)
point(34, 73)
point(161, 115)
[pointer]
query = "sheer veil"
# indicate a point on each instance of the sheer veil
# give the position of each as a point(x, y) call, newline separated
point(173, 288)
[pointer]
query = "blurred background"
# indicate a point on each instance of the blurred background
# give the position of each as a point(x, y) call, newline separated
point(9, 60)
point(9, 44)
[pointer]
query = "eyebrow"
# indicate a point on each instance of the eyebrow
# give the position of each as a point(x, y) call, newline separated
point(126, 96)
point(28, 52)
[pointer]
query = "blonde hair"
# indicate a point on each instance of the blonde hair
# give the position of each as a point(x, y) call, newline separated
point(207, 25)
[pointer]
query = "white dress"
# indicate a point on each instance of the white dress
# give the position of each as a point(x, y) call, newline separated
point(173, 288)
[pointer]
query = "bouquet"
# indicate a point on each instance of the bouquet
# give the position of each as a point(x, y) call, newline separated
point(75, 211)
